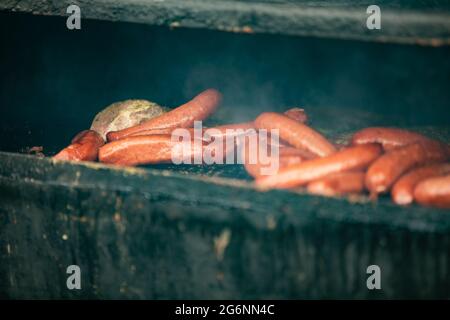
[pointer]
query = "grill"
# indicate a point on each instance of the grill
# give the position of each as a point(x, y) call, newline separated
point(174, 232)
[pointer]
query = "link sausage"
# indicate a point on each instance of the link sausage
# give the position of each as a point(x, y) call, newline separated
point(155, 149)
point(389, 167)
point(151, 149)
point(137, 150)
point(84, 147)
point(389, 138)
point(403, 190)
point(353, 158)
point(434, 192)
point(296, 134)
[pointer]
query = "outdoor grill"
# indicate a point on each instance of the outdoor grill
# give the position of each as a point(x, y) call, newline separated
point(190, 232)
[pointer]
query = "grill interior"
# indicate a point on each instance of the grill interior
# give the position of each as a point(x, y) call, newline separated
point(53, 81)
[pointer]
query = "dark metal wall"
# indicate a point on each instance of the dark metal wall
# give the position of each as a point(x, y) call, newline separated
point(424, 22)
point(55, 80)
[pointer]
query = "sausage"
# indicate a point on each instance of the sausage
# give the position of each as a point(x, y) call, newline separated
point(84, 147)
point(150, 149)
point(403, 190)
point(299, 115)
point(154, 149)
point(199, 108)
point(389, 138)
point(296, 134)
point(221, 132)
point(389, 167)
point(353, 158)
point(434, 192)
point(137, 150)
point(338, 184)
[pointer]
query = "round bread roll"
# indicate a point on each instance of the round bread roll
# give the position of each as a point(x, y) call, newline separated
point(124, 114)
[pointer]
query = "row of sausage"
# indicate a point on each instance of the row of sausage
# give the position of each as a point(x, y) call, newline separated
point(378, 160)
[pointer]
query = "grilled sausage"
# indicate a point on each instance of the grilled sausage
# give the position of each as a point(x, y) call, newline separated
point(338, 184)
point(403, 190)
point(389, 167)
point(389, 138)
point(155, 149)
point(84, 147)
point(207, 134)
point(434, 192)
point(150, 149)
point(353, 158)
point(137, 150)
point(199, 108)
point(296, 134)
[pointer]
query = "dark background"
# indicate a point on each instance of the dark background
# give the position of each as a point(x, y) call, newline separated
point(53, 80)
